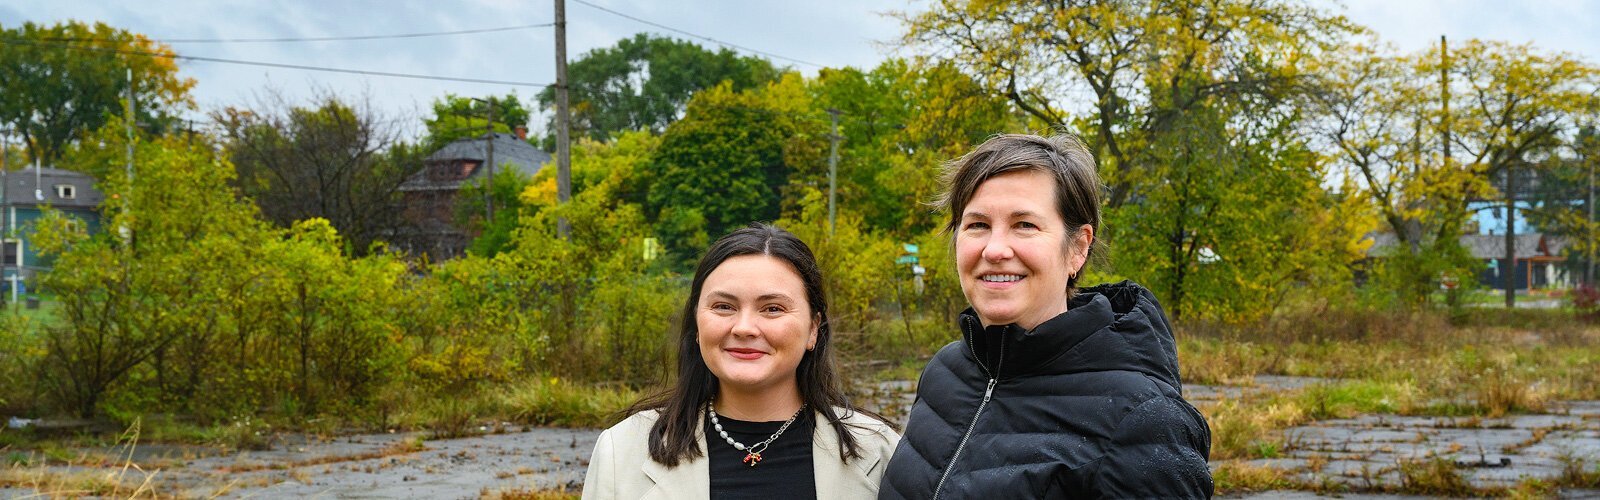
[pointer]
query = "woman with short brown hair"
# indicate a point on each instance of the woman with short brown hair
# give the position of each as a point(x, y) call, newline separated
point(1053, 391)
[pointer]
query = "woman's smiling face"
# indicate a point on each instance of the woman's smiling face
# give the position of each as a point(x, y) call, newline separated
point(1014, 253)
point(754, 322)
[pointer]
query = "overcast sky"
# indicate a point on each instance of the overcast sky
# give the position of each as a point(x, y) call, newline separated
point(826, 32)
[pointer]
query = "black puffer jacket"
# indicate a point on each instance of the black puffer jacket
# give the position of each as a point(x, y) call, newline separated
point(1087, 405)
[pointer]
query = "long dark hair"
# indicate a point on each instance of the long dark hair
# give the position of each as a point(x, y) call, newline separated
point(673, 438)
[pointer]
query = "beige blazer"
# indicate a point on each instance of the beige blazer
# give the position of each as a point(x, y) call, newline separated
point(621, 467)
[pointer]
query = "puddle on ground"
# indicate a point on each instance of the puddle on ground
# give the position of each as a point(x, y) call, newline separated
point(1361, 452)
point(371, 466)
point(1198, 394)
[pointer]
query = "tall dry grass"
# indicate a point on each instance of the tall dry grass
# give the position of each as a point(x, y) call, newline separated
point(92, 475)
point(1479, 363)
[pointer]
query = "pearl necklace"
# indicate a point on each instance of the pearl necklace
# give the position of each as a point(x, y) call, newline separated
point(752, 453)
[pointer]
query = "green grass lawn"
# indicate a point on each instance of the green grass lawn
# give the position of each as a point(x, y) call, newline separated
point(45, 314)
point(1487, 297)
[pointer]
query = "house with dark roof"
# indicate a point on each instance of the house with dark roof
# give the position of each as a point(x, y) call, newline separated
point(429, 195)
point(26, 194)
point(1537, 264)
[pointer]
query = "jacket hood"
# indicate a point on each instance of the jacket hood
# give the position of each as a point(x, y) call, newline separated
point(1115, 326)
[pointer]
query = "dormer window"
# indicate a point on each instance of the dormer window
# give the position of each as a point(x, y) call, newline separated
point(66, 191)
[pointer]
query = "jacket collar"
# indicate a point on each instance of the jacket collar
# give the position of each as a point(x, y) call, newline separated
point(832, 475)
point(1116, 326)
point(1004, 351)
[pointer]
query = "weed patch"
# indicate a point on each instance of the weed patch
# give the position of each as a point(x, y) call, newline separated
point(1248, 427)
point(100, 477)
point(527, 494)
point(554, 402)
point(1434, 476)
point(1240, 477)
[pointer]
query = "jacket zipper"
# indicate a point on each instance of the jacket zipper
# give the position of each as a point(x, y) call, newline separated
point(988, 393)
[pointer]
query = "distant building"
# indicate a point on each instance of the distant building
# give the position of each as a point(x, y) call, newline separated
point(429, 196)
point(26, 194)
point(1538, 262)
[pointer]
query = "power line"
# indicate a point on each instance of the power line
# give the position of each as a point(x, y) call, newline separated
point(321, 39)
point(702, 37)
point(273, 64)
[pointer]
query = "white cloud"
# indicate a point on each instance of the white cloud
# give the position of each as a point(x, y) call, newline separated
point(828, 32)
point(1550, 25)
point(832, 32)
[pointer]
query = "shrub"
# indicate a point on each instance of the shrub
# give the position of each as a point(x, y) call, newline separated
point(1586, 300)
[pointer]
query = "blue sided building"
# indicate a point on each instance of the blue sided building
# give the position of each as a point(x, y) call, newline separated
point(27, 193)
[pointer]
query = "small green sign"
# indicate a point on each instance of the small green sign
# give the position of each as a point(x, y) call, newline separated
point(909, 247)
point(906, 259)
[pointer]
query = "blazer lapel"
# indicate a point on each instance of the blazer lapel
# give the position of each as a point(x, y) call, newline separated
point(689, 480)
point(833, 477)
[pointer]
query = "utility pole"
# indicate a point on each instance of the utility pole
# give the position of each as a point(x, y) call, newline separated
point(563, 149)
point(1416, 150)
point(833, 166)
point(488, 162)
point(488, 191)
point(1586, 141)
point(5, 209)
point(1511, 234)
point(1444, 88)
point(1453, 295)
point(127, 124)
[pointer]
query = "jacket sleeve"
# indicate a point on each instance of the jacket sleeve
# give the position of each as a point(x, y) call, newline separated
point(600, 481)
point(1160, 449)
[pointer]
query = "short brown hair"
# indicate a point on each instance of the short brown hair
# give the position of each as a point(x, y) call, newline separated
point(1063, 157)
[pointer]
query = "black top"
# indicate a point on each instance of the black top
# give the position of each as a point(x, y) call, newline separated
point(785, 467)
point(1086, 405)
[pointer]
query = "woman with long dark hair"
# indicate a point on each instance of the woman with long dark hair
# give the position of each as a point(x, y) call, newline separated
point(757, 410)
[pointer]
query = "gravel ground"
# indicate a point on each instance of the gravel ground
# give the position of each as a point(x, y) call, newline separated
point(1360, 452)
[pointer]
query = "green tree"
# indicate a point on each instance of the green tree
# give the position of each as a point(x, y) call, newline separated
point(1521, 108)
point(1563, 198)
point(645, 83)
point(457, 117)
point(506, 193)
point(128, 302)
point(331, 319)
point(897, 123)
point(60, 82)
point(189, 303)
point(1190, 111)
point(1378, 113)
point(599, 293)
point(728, 161)
point(1143, 64)
point(331, 160)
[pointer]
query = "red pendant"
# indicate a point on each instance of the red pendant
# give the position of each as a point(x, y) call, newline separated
point(752, 459)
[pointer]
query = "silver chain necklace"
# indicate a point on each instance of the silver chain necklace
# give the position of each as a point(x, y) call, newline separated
point(752, 453)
